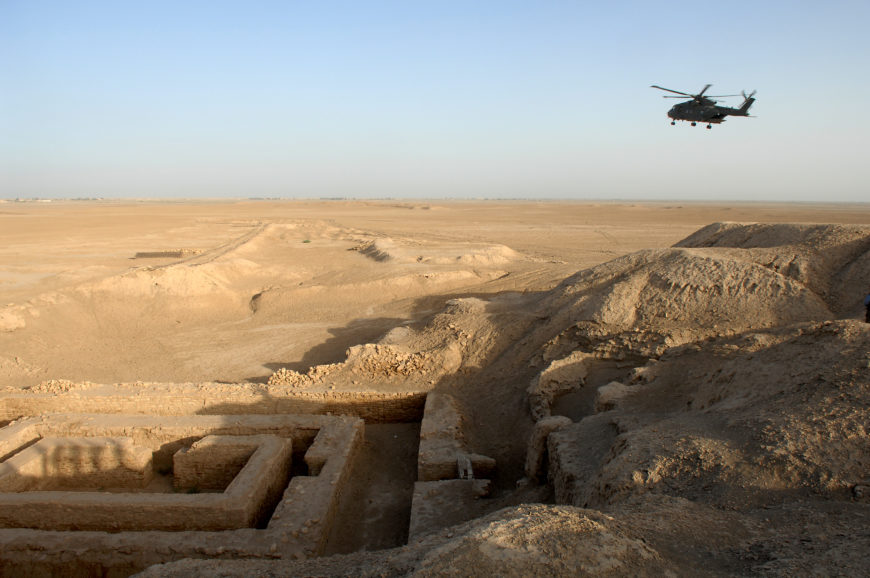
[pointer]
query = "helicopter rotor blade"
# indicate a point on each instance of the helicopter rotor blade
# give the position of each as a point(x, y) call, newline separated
point(669, 90)
point(701, 97)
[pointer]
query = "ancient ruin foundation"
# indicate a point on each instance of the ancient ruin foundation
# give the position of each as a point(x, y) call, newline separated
point(96, 510)
point(148, 476)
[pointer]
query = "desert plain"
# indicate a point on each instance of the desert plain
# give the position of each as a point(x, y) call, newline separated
point(609, 388)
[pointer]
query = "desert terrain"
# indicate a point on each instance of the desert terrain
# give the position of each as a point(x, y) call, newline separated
point(610, 388)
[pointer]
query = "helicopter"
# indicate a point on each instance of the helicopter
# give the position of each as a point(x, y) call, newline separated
point(703, 108)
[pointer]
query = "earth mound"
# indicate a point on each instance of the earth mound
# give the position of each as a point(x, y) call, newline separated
point(530, 540)
point(831, 260)
point(671, 289)
point(743, 422)
point(407, 251)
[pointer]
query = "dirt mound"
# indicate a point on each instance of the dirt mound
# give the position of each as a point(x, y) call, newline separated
point(452, 344)
point(372, 362)
point(535, 540)
point(830, 260)
point(529, 540)
point(771, 235)
point(639, 306)
point(408, 251)
point(738, 423)
point(673, 289)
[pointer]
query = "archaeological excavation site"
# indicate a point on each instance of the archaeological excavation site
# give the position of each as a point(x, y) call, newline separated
point(695, 408)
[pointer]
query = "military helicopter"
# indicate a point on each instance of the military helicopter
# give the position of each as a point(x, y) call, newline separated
point(703, 108)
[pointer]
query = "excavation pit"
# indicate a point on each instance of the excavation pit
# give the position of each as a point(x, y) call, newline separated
point(262, 512)
point(333, 473)
point(256, 488)
point(78, 463)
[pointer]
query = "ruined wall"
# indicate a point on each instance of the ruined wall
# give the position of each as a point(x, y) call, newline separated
point(76, 462)
point(212, 462)
point(211, 399)
point(296, 527)
point(222, 502)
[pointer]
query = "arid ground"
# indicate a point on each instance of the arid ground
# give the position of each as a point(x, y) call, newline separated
point(664, 387)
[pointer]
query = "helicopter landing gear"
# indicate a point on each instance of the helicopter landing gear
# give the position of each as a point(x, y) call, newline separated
point(694, 124)
point(709, 126)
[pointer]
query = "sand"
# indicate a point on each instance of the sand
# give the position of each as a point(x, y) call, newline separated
point(289, 284)
point(695, 374)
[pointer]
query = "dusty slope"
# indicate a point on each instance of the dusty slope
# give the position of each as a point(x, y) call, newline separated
point(604, 323)
point(740, 423)
point(179, 321)
point(831, 261)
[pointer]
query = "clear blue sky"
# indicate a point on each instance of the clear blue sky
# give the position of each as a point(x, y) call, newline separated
point(543, 99)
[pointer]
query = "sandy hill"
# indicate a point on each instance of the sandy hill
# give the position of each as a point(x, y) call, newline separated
point(831, 260)
point(288, 294)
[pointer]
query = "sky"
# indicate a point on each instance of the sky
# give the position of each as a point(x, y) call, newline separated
point(413, 99)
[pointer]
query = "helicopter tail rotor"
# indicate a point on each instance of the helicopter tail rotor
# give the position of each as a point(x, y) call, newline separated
point(747, 102)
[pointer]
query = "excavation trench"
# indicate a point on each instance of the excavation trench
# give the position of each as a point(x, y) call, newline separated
point(375, 510)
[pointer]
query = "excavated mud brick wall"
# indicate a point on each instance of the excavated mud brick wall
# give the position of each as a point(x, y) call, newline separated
point(79, 463)
point(204, 433)
point(36, 528)
point(213, 462)
point(214, 399)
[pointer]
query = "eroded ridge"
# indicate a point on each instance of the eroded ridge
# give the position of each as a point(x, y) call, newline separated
point(64, 506)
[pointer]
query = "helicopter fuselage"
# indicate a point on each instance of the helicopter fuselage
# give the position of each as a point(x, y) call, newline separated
point(709, 113)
